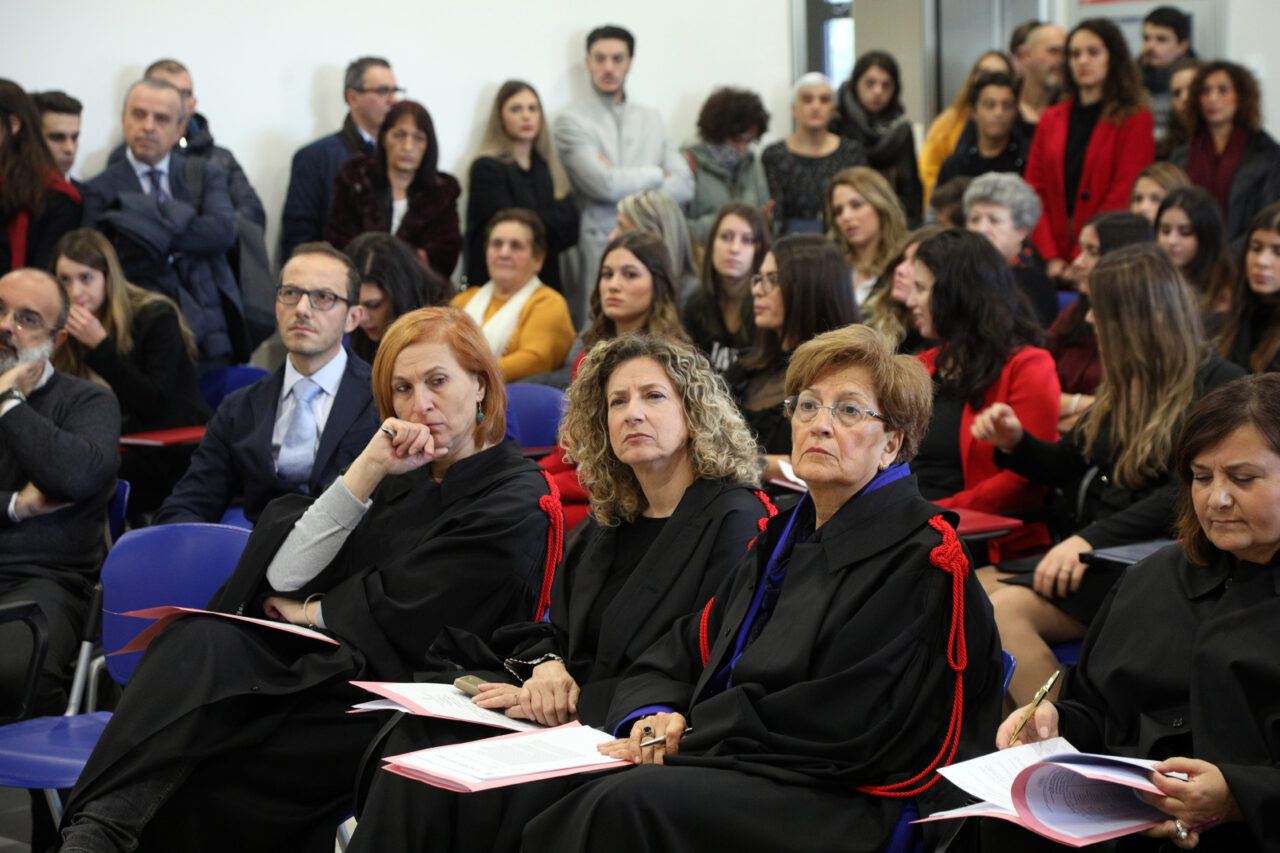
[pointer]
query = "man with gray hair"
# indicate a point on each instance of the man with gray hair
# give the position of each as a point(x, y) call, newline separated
point(58, 456)
point(370, 90)
point(172, 236)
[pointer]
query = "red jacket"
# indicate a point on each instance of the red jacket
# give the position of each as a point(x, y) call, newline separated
point(1029, 384)
point(1115, 156)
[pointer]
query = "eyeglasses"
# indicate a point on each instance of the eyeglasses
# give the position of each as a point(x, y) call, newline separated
point(767, 283)
point(321, 300)
point(382, 91)
point(26, 320)
point(805, 409)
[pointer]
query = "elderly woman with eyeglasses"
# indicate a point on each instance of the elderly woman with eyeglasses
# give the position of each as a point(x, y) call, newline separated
point(847, 656)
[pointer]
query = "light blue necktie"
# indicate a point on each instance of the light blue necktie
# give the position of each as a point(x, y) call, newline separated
point(157, 188)
point(298, 450)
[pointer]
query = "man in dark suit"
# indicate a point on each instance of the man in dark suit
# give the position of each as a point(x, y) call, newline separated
point(171, 221)
point(370, 90)
point(297, 429)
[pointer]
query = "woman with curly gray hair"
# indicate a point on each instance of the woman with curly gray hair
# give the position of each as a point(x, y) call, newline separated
point(670, 467)
point(1005, 209)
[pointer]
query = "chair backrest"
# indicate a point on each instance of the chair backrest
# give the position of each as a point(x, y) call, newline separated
point(1009, 663)
point(116, 512)
point(537, 410)
point(217, 384)
point(171, 564)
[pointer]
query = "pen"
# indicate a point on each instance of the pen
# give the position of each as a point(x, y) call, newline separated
point(1035, 703)
point(654, 741)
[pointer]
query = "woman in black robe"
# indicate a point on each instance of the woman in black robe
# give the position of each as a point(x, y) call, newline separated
point(847, 656)
point(690, 489)
point(1183, 662)
point(233, 736)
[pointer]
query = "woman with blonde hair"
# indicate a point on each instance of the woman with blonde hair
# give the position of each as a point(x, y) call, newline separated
point(517, 166)
point(865, 219)
point(946, 129)
point(1113, 468)
point(137, 343)
point(671, 472)
point(655, 212)
point(1152, 185)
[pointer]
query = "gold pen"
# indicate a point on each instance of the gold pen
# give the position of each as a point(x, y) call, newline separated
point(1035, 703)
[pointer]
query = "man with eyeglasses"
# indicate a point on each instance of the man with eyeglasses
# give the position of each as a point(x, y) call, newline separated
point(370, 90)
point(172, 236)
point(295, 430)
point(59, 439)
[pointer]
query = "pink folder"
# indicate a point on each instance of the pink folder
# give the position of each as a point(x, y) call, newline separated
point(167, 614)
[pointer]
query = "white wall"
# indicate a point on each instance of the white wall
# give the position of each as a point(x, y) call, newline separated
point(268, 75)
point(1251, 40)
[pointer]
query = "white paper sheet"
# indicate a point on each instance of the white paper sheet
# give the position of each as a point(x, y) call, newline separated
point(990, 777)
point(445, 701)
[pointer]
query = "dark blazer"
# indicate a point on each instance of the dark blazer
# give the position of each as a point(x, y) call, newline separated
point(1255, 184)
point(362, 202)
point(306, 204)
point(965, 160)
point(497, 185)
point(234, 457)
point(178, 248)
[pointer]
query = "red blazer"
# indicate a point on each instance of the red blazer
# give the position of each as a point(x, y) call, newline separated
point(1029, 384)
point(1115, 156)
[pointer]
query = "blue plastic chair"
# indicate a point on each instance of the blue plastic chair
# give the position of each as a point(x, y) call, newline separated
point(1010, 663)
point(116, 512)
point(176, 564)
point(1065, 298)
point(217, 384)
point(235, 517)
point(1067, 653)
point(537, 410)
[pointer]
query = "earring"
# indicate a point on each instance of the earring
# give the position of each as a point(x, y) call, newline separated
point(479, 414)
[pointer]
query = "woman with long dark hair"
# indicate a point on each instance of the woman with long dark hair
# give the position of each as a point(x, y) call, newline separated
point(988, 350)
point(1189, 228)
point(517, 166)
point(399, 189)
point(1250, 332)
point(869, 111)
point(37, 205)
point(1089, 149)
point(138, 344)
point(1228, 153)
point(393, 281)
point(801, 291)
point(718, 316)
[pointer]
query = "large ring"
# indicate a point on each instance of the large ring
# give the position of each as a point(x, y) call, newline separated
point(1183, 835)
point(646, 732)
point(387, 431)
point(1064, 571)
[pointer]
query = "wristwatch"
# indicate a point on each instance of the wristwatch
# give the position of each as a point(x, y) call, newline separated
point(12, 394)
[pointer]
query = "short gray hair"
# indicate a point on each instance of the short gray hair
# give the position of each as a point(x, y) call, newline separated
point(159, 85)
point(812, 80)
point(354, 78)
point(1007, 190)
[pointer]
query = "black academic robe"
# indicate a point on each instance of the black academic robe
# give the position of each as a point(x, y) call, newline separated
point(1184, 660)
point(259, 716)
point(847, 685)
point(700, 543)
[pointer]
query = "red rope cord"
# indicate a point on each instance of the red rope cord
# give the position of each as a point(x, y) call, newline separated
point(949, 557)
point(550, 504)
point(704, 641)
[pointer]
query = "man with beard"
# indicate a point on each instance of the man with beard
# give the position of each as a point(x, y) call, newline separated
point(59, 439)
point(297, 429)
point(612, 148)
point(1166, 38)
point(1043, 65)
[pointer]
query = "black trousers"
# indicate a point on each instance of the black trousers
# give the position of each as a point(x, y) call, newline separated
point(64, 599)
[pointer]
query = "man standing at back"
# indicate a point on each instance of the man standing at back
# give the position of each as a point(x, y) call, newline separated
point(1166, 38)
point(297, 429)
point(610, 149)
point(370, 90)
point(172, 237)
point(1043, 65)
point(60, 127)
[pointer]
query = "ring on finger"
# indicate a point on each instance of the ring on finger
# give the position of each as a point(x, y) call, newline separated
point(1183, 834)
point(387, 431)
point(647, 732)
